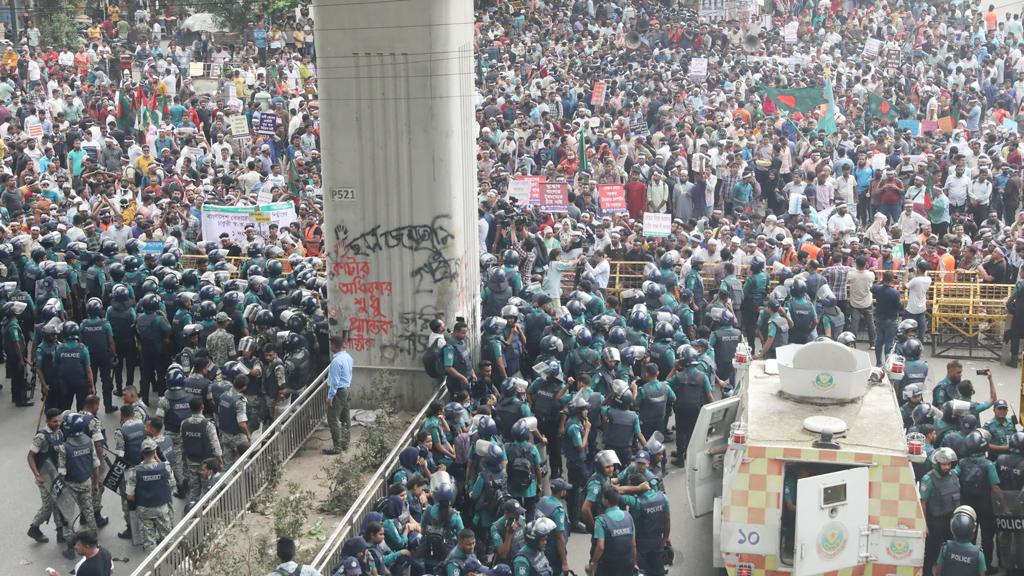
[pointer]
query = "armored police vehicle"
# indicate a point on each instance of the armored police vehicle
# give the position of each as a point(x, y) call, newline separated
point(806, 470)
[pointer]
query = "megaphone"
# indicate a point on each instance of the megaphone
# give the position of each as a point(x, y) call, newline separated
point(632, 40)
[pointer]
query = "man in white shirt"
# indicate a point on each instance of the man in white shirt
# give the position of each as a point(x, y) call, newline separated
point(841, 223)
point(917, 295)
point(858, 289)
point(957, 187)
point(601, 268)
point(980, 195)
point(910, 224)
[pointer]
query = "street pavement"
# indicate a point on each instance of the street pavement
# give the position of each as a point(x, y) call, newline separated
point(20, 555)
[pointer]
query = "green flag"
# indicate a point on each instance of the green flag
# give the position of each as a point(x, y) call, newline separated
point(581, 148)
point(879, 107)
point(796, 99)
point(828, 123)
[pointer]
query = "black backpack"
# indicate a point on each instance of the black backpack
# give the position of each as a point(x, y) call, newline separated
point(431, 362)
point(520, 469)
point(973, 479)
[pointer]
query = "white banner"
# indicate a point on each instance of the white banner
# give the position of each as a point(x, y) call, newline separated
point(234, 219)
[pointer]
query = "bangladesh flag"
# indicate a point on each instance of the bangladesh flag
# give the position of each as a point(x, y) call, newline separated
point(879, 107)
point(581, 148)
point(796, 99)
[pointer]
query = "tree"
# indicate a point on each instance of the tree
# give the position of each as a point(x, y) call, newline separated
point(237, 15)
point(57, 23)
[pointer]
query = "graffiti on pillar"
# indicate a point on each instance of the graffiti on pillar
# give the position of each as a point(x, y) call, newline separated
point(369, 327)
point(430, 239)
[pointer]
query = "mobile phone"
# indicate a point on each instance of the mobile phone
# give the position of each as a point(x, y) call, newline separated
point(982, 371)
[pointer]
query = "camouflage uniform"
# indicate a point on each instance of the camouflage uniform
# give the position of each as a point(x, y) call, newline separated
point(231, 404)
point(155, 520)
point(191, 426)
point(221, 345)
point(41, 445)
point(96, 433)
point(81, 490)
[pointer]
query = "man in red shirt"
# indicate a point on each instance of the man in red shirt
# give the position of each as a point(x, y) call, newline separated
point(636, 196)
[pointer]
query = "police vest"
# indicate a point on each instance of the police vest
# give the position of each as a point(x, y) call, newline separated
point(78, 458)
point(650, 521)
point(660, 354)
point(652, 407)
point(93, 282)
point(587, 362)
point(690, 392)
point(546, 507)
point(535, 324)
point(618, 537)
point(539, 565)
point(133, 433)
point(120, 323)
point(1011, 471)
point(178, 410)
point(782, 334)
point(194, 441)
point(727, 339)
point(226, 413)
point(152, 485)
point(217, 389)
point(53, 440)
point(620, 430)
point(545, 400)
point(508, 410)
point(463, 360)
point(197, 386)
point(914, 372)
point(302, 366)
point(945, 496)
point(836, 319)
point(94, 336)
point(149, 336)
point(961, 559)
point(802, 313)
point(71, 363)
point(496, 299)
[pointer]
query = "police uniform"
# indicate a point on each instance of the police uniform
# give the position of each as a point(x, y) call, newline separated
point(530, 561)
point(122, 324)
point(545, 396)
point(617, 530)
point(77, 462)
point(649, 511)
point(621, 428)
point(15, 349)
point(977, 477)
point(1000, 433)
point(961, 559)
point(576, 464)
point(46, 363)
point(173, 407)
point(801, 311)
point(198, 442)
point(153, 331)
point(456, 355)
point(44, 449)
point(724, 341)
point(653, 397)
point(151, 484)
point(128, 444)
point(941, 494)
point(553, 508)
point(73, 360)
point(96, 336)
point(231, 411)
point(691, 387)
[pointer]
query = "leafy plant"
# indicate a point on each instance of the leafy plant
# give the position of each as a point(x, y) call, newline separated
point(291, 510)
point(345, 484)
point(58, 28)
point(238, 14)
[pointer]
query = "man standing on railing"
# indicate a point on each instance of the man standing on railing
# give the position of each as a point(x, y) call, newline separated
point(339, 379)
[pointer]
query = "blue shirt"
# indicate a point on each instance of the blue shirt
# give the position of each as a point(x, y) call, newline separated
point(340, 373)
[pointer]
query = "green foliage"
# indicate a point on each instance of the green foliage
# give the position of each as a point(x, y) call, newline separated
point(380, 437)
point(291, 510)
point(346, 482)
point(236, 551)
point(238, 14)
point(58, 28)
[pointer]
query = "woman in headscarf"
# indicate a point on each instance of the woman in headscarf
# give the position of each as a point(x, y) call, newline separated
point(877, 233)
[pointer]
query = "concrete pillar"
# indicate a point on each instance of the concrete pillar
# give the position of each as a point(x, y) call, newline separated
point(396, 112)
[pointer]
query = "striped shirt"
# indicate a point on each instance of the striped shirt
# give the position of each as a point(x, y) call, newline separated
point(836, 277)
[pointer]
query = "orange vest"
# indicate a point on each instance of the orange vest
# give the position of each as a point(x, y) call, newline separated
point(311, 242)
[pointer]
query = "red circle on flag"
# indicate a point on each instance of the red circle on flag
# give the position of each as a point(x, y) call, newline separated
point(884, 107)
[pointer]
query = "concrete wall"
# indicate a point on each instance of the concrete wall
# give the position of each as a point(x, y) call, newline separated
point(396, 106)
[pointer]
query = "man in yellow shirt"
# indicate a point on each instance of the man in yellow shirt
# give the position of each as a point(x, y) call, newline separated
point(142, 162)
point(10, 59)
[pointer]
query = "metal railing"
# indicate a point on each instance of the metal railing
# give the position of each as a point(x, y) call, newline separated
point(180, 552)
point(376, 487)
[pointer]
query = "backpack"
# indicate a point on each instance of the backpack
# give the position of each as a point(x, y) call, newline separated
point(296, 572)
point(520, 470)
point(432, 362)
point(493, 495)
point(433, 544)
point(463, 442)
point(973, 480)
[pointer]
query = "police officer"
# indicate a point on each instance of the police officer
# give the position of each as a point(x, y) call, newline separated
point(274, 382)
point(42, 461)
point(524, 471)
point(154, 333)
point(98, 337)
point(545, 395)
point(614, 551)
point(79, 464)
point(692, 390)
point(463, 552)
point(74, 366)
point(577, 438)
point(198, 442)
point(128, 445)
point(458, 362)
point(611, 369)
point(532, 560)
point(1000, 429)
point(604, 471)
point(553, 507)
point(960, 556)
point(15, 351)
point(940, 496)
point(978, 481)
point(198, 383)
point(122, 316)
point(493, 345)
point(755, 288)
point(915, 370)
point(912, 397)
point(652, 399)
point(508, 532)
point(149, 487)
point(725, 339)
point(46, 366)
point(777, 332)
point(232, 419)
point(174, 408)
point(621, 424)
point(801, 311)
point(189, 348)
point(1010, 466)
point(661, 351)
point(652, 517)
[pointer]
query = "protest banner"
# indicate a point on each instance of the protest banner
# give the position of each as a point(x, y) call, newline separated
point(268, 123)
point(871, 47)
point(612, 198)
point(597, 97)
point(554, 196)
point(239, 125)
point(791, 32)
point(946, 124)
point(698, 69)
point(657, 225)
point(196, 69)
point(929, 126)
point(1010, 125)
point(639, 127)
point(520, 190)
point(913, 125)
point(234, 219)
point(34, 128)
